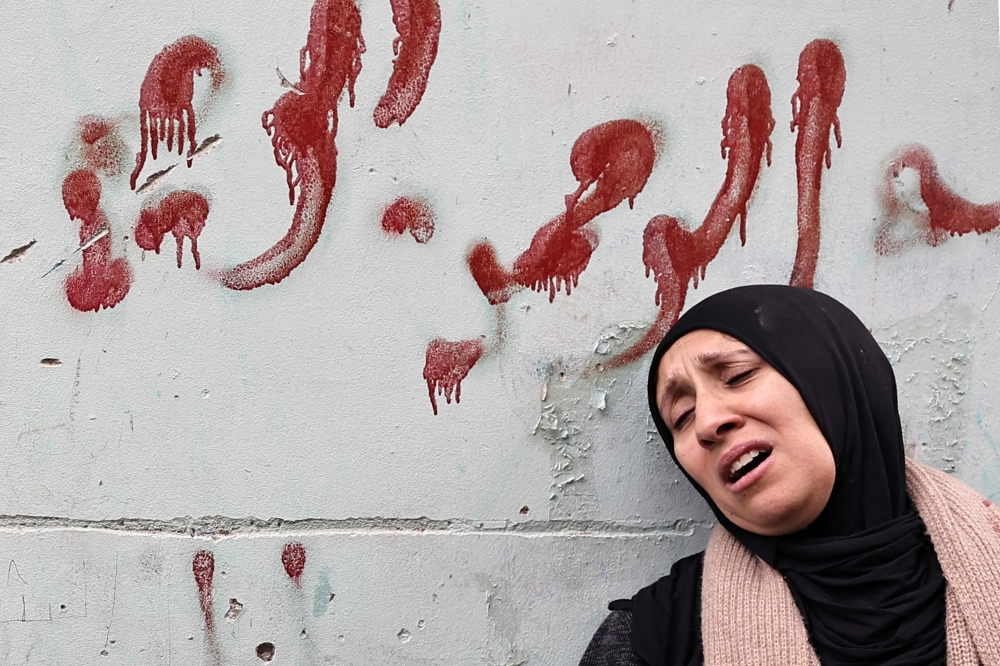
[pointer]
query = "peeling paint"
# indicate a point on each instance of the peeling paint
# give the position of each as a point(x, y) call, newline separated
point(18, 253)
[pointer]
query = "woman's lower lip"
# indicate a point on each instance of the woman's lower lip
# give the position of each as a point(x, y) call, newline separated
point(752, 477)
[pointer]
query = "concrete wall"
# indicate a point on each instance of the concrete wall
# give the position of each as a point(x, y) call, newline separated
point(200, 461)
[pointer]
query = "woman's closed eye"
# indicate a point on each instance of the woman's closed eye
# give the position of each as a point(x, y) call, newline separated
point(682, 419)
point(740, 377)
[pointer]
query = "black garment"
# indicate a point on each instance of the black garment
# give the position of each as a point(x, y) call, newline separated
point(611, 644)
point(864, 574)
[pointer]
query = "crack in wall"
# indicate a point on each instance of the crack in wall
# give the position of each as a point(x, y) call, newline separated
point(221, 527)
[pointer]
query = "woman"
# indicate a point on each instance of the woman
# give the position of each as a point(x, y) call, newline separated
point(831, 548)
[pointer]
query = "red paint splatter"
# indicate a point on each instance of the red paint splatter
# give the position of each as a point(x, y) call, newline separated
point(167, 95)
point(303, 129)
point(822, 79)
point(678, 257)
point(203, 567)
point(615, 158)
point(102, 149)
point(101, 281)
point(943, 213)
point(447, 364)
point(182, 213)
point(418, 23)
point(293, 557)
point(409, 214)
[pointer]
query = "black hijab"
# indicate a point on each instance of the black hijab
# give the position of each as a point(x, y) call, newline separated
point(864, 574)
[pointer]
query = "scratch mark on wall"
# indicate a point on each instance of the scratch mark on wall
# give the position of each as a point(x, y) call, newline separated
point(114, 602)
point(18, 253)
point(51, 362)
point(13, 567)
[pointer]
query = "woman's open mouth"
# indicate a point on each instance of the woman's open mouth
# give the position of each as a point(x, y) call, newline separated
point(745, 465)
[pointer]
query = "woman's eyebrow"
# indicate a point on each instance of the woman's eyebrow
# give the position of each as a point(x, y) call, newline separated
point(716, 357)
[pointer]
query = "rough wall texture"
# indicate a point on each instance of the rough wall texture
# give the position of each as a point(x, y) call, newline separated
point(401, 418)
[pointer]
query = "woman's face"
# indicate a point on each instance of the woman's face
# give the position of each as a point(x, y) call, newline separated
point(744, 434)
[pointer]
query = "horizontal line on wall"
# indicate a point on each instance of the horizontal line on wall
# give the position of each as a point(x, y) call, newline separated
point(221, 527)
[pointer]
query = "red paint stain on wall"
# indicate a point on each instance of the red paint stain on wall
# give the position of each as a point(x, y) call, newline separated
point(418, 23)
point(406, 214)
point(675, 256)
point(822, 79)
point(167, 94)
point(615, 158)
point(182, 213)
point(203, 567)
point(447, 364)
point(293, 558)
point(102, 149)
point(101, 281)
point(303, 129)
point(943, 213)
point(612, 163)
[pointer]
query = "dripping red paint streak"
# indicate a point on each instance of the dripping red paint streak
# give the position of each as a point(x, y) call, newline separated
point(101, 281)
point(102, 149)
point(167, 94)
point(203, 567)
point(182, 213)
point(822, 79)
point(943, 213)
point(447, 364)
point(615, 158)
point(303, 129)
point(418, 23)
point(293, 558)
point(405, 214)
point(677, 257)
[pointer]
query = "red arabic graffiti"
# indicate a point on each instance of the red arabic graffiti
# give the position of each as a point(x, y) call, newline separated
point(101, 281)
point(675, 256)
point(293, 558)
point(406, 214)
point(938, 210)
point(822, 79)
point(203, 567)
point(303, 130)
point(167, 94)
point(447, 364)
point(418, 23)
point(181, 213)
point(615, 159)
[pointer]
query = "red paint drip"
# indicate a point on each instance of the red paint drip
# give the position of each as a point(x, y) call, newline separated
point(678, 257)
point(102, 147)
point(203, 567)
point(167, 94)
point(822, 78)
point(101, 281)
point(418, 23)
point(615, 158)
point(303, 129)
point(182, 213)
point(447, 364)
point(947, 213)
point(409, 214)
point(293, 557)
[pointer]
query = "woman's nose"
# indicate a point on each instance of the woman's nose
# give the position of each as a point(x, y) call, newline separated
point(715, 418)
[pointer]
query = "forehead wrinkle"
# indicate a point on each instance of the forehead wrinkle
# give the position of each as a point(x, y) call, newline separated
point(705, 359)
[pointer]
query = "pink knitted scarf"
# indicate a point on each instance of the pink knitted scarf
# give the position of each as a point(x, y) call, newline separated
point(749, 616)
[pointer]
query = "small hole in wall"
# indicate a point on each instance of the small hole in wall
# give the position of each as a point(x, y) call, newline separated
point(265, 651)
point(62, 607)
point(303, 634)
point(524, 510)
point(562, 376)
